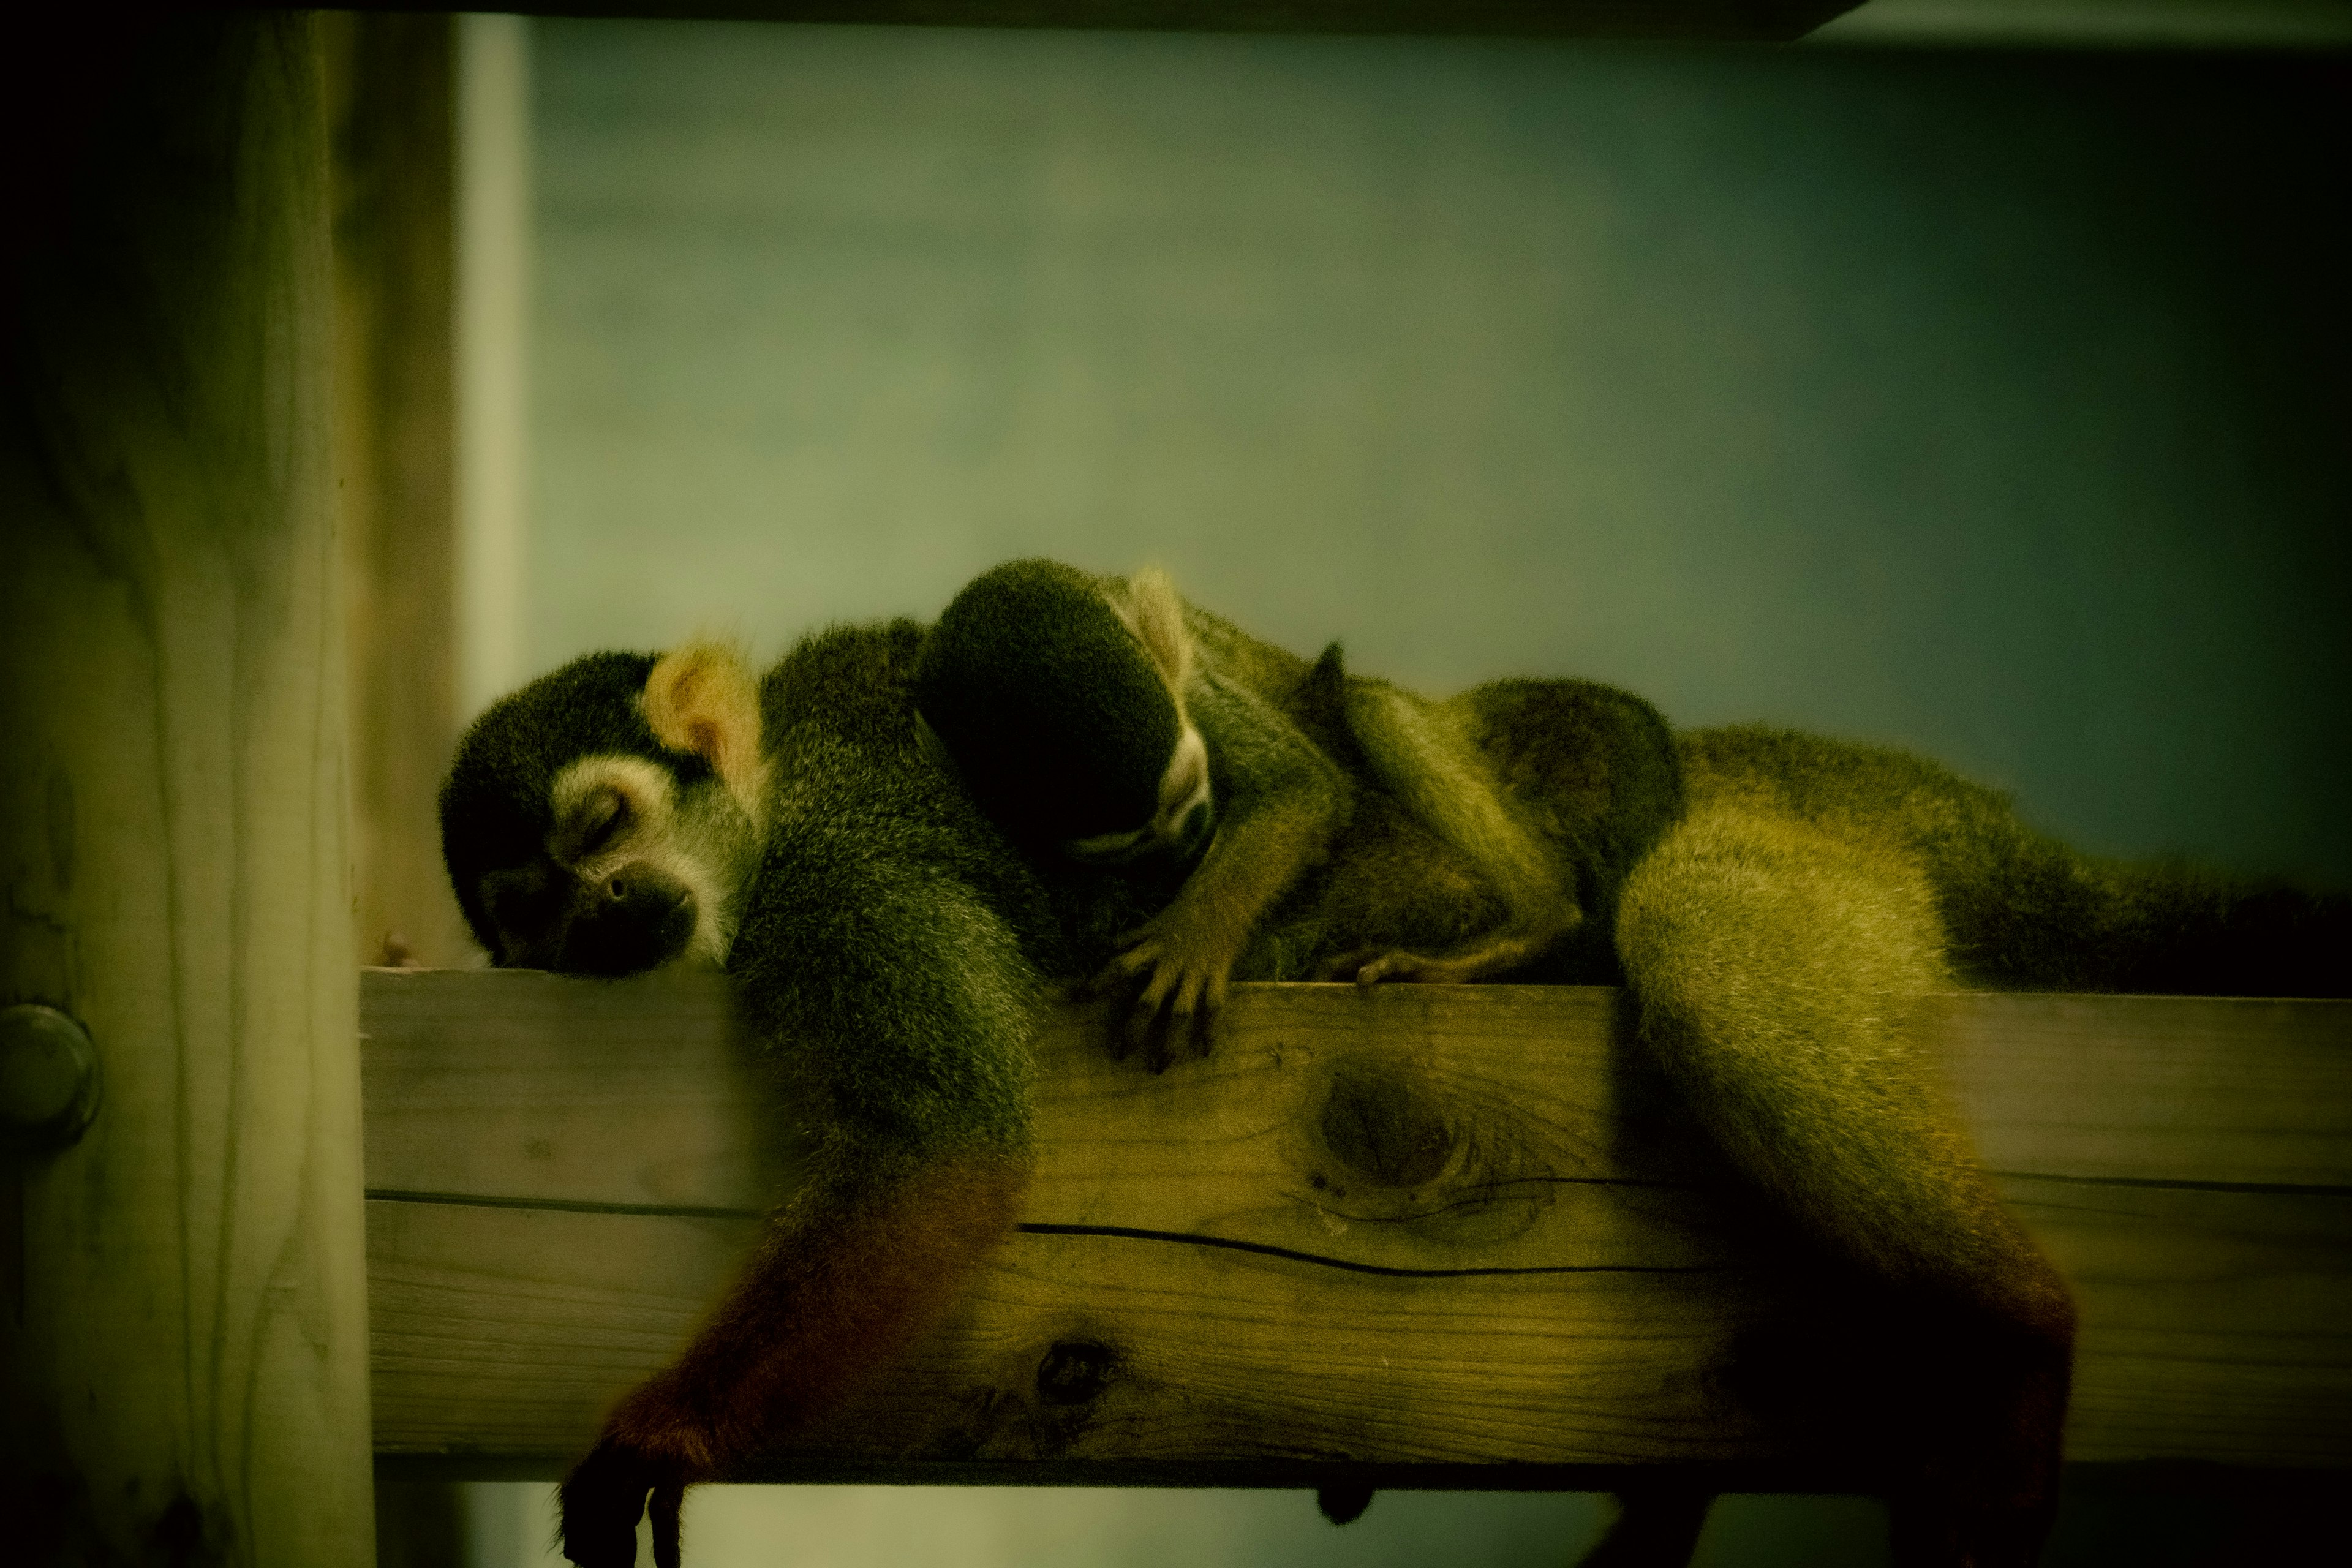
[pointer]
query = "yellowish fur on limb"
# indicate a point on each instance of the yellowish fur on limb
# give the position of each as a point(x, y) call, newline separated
point(1423, 754)
point(1781, 971)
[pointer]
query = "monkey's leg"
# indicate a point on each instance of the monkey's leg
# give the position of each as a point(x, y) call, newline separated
point(1423, 753)
point(824, 1301)
point(1518, 944)
point(1779, 972)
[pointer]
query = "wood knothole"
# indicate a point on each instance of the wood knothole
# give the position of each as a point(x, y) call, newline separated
point(1394, 1144)
point(1382, 1125)
point(1074, 1372)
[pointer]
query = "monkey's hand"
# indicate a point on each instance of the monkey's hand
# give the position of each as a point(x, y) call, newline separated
point(1172, 977)
point(603, 1496)
point(656, 1443)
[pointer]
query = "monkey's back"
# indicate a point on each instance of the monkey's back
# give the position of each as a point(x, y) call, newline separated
point(1592, 771)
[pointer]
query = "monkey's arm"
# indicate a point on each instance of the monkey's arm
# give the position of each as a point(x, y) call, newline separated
point(1280, 802)
point(883, 970)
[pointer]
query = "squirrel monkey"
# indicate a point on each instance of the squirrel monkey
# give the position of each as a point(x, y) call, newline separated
point(1105, 721)
point(1783, 905)
point(629, 811)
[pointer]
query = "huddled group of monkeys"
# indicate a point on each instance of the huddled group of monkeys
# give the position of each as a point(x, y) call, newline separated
point(901, 838)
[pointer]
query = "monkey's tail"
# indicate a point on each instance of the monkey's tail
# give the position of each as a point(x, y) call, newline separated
point(2054, 919)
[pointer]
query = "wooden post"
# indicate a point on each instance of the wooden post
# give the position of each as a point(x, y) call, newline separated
point(393, 173)
point(186, 1364)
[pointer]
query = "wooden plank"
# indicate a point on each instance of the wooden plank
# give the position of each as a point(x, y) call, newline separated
point(2213, 1328)
point(517, 1084)
point(509, 1331)
point(1221, 1354)
point(186, 1375)
point(2212, 1088)
point(1270, 1247)
point(2215, 1325)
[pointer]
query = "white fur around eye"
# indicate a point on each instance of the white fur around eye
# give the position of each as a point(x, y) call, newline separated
point(647, 791)
point(699, 836)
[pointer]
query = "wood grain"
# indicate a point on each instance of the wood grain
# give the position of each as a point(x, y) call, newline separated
point(187, 1375)
point(1455, 1227)
point(392, 128)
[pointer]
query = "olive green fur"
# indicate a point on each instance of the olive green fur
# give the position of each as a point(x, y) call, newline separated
point(1782, 941)
point(1014, 675)
point(893, 944)
point(494, 804)
point(2018, 908)
point(1447, 818)
point(1588, 776)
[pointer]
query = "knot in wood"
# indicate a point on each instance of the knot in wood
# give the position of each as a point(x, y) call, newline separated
point(1075, 1370)
point(1376, 1124)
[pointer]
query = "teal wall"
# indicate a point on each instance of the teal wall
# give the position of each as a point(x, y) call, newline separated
point(1995, 406)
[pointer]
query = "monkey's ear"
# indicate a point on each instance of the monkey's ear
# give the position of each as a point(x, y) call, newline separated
point(1159, 620)
point(702, 698)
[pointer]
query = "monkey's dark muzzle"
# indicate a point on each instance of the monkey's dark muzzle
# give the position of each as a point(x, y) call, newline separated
point(630, 921)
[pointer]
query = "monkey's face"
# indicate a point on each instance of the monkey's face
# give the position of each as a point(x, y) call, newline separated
point(637, 870)
point(1180, 824)
point(605, 818)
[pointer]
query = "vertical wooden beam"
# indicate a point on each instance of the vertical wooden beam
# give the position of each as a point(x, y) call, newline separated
point(186, 1367)
point(494, 245)
point(392, 124)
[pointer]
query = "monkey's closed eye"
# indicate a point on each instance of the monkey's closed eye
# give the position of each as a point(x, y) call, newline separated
point(599, 825)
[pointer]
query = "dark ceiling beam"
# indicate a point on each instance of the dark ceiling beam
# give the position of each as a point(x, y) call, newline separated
point(1757, 21)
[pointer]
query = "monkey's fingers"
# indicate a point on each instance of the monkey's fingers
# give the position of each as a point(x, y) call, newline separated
point(1189, 1015)
point(601, 1502)
point(1413, 968)
point(1123, 979)
point(668, 1502)
point(1125, 971)
point(1345, 966)
point(1206, 1006)
point(1147, 1027)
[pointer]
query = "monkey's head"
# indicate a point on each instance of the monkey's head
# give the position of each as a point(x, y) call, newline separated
point(1060, 697)
point(605, 818)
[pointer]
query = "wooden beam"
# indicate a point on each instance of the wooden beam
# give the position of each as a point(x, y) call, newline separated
point(393, 125)
point(185, 1373)
point(1761, 21)
point(1458, 1235)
